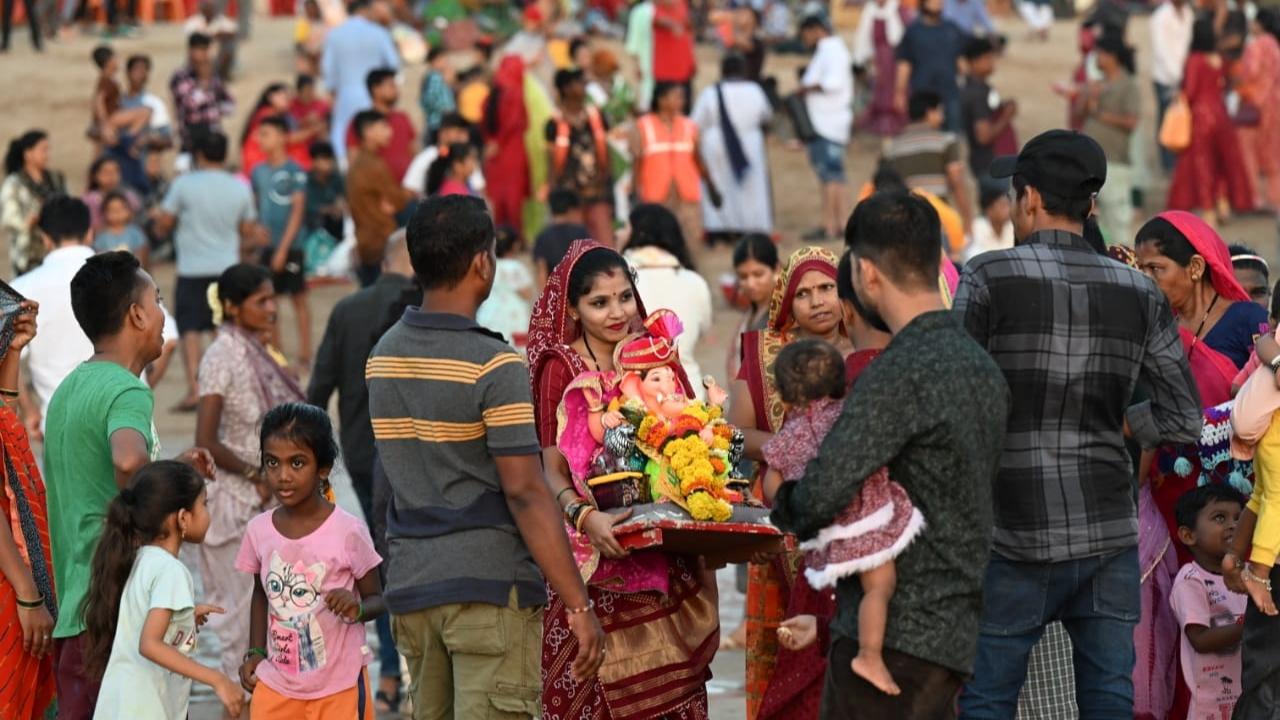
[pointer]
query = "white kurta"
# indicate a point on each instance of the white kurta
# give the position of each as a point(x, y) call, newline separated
point(748, 205)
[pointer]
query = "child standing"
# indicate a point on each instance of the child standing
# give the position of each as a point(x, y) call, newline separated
point(510, 302)
point(280, 185)
point(811, 381)
point(118, 231)
point(436, 97)
point(450, 172)
point(315, 580)
point(140, 616)
point(373, 194)
point(1209, 614)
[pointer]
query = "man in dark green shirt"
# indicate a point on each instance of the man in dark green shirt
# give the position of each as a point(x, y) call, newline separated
point(933, 409)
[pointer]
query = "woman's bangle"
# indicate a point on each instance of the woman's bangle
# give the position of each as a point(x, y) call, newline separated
point(1247, 574)
point(591, 605)
point(572, 509)
point(565, 490)
point(251, 652)
point(31, 604)
point(582, 516)
point(6, 392)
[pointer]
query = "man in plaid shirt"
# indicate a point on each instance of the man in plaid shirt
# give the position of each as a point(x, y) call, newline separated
point(199, 96)
point(1074, 332)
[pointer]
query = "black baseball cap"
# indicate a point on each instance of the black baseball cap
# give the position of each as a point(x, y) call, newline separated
point(1064, 163)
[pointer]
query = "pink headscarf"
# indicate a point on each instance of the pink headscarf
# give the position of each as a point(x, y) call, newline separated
point(1209, 245)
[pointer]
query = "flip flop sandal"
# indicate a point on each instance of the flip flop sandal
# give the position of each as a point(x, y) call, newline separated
point(387, 703)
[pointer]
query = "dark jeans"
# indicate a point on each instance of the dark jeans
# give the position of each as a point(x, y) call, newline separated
point(388, 656)
point(1097, 600)
point(928, 690)
point(1260, 668)
point(1165, 95)
point(32, 21)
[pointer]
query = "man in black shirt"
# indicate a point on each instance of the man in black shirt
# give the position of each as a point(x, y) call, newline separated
point(986, 117)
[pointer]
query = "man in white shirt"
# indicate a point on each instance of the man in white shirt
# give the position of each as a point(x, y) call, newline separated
point(453, 129)
point(210, 21)
point(827, 86)
point(1171, 25)
point(61, 345)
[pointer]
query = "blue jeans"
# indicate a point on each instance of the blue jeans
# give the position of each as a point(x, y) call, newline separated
point(1165, 95)
point(827, 160)
point(1097, 600)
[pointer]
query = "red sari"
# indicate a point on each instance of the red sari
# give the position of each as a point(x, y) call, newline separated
point(504, 126)
point(776, 589)
point(1213, 166)
point(658, 647)
point(28, 685)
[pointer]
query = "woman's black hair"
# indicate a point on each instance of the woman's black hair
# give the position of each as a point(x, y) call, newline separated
point(1275, 301)
point(444, 162)
point(238, 282)
point(95, 166)
point(661, 89)
point(14, 159)
point(1245, 257)
point(653, 225)
point(263, 100)
point(1269, 20)
point(305, 425)
point(808, 370)
point(136, 517)
point(506, 240)
point(593, 264)
point(1204, 39)
point(758, 247)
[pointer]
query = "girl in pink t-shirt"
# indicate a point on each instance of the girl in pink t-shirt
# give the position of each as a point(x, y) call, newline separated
point(315, 580)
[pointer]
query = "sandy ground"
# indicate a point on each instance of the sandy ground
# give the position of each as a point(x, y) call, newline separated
point(52, 91)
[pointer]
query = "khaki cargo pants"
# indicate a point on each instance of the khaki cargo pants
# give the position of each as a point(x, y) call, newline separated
point(473, 660)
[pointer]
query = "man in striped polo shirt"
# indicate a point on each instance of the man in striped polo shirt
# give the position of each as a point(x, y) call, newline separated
point(471, 520)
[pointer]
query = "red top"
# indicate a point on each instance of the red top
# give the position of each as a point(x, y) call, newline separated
point(304, 111)
point(399, 152)
point(672, 51)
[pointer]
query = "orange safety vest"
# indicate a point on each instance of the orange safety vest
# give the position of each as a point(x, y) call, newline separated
point(561, 152)
point(668, 158)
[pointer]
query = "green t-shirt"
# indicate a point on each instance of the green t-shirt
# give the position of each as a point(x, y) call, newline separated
point(96, 399)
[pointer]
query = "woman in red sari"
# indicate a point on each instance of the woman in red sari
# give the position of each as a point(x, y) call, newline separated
point(804, 304)
point(506, 163)
point(27, 601)
point(659, 612)
point(1213, 166)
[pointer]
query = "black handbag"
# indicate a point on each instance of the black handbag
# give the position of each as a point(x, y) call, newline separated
point(798, 111)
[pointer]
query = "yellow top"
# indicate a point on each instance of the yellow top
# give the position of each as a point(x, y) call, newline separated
point(1265, 502)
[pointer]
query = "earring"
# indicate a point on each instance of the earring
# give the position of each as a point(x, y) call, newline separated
point(182, 531)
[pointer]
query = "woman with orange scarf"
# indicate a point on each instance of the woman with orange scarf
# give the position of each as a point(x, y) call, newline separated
point(804, 304)
point(27, 602)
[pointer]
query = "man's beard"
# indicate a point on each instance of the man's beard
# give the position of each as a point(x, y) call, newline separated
point(873, 317)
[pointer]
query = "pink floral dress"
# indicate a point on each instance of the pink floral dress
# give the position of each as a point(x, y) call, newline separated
point(874, 529)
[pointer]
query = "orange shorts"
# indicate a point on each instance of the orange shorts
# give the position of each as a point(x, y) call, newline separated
point(356, 702)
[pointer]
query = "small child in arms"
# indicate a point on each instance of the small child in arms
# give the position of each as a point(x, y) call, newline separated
point(1208, 613)
point(873, 530)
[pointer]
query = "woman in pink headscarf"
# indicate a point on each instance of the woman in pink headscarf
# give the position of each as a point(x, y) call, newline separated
point(507, 164)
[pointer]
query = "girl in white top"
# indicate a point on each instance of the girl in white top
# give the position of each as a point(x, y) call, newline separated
point(141, 618)
point(510, 302)
point(665, 274)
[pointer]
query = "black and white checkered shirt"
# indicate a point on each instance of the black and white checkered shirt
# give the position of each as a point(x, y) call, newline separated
point(1074, 332)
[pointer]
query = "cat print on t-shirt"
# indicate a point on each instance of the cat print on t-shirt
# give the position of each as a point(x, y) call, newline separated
point(294, 637)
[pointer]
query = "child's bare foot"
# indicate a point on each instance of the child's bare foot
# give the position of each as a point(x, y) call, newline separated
point(872, 669)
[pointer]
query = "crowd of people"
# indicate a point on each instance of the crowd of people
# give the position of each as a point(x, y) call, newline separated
point(1021, 430)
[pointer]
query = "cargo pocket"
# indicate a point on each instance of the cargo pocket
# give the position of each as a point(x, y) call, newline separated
point(509, 702)
point(476, 630)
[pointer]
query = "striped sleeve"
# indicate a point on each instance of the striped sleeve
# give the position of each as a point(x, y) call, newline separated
point(506, 406)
